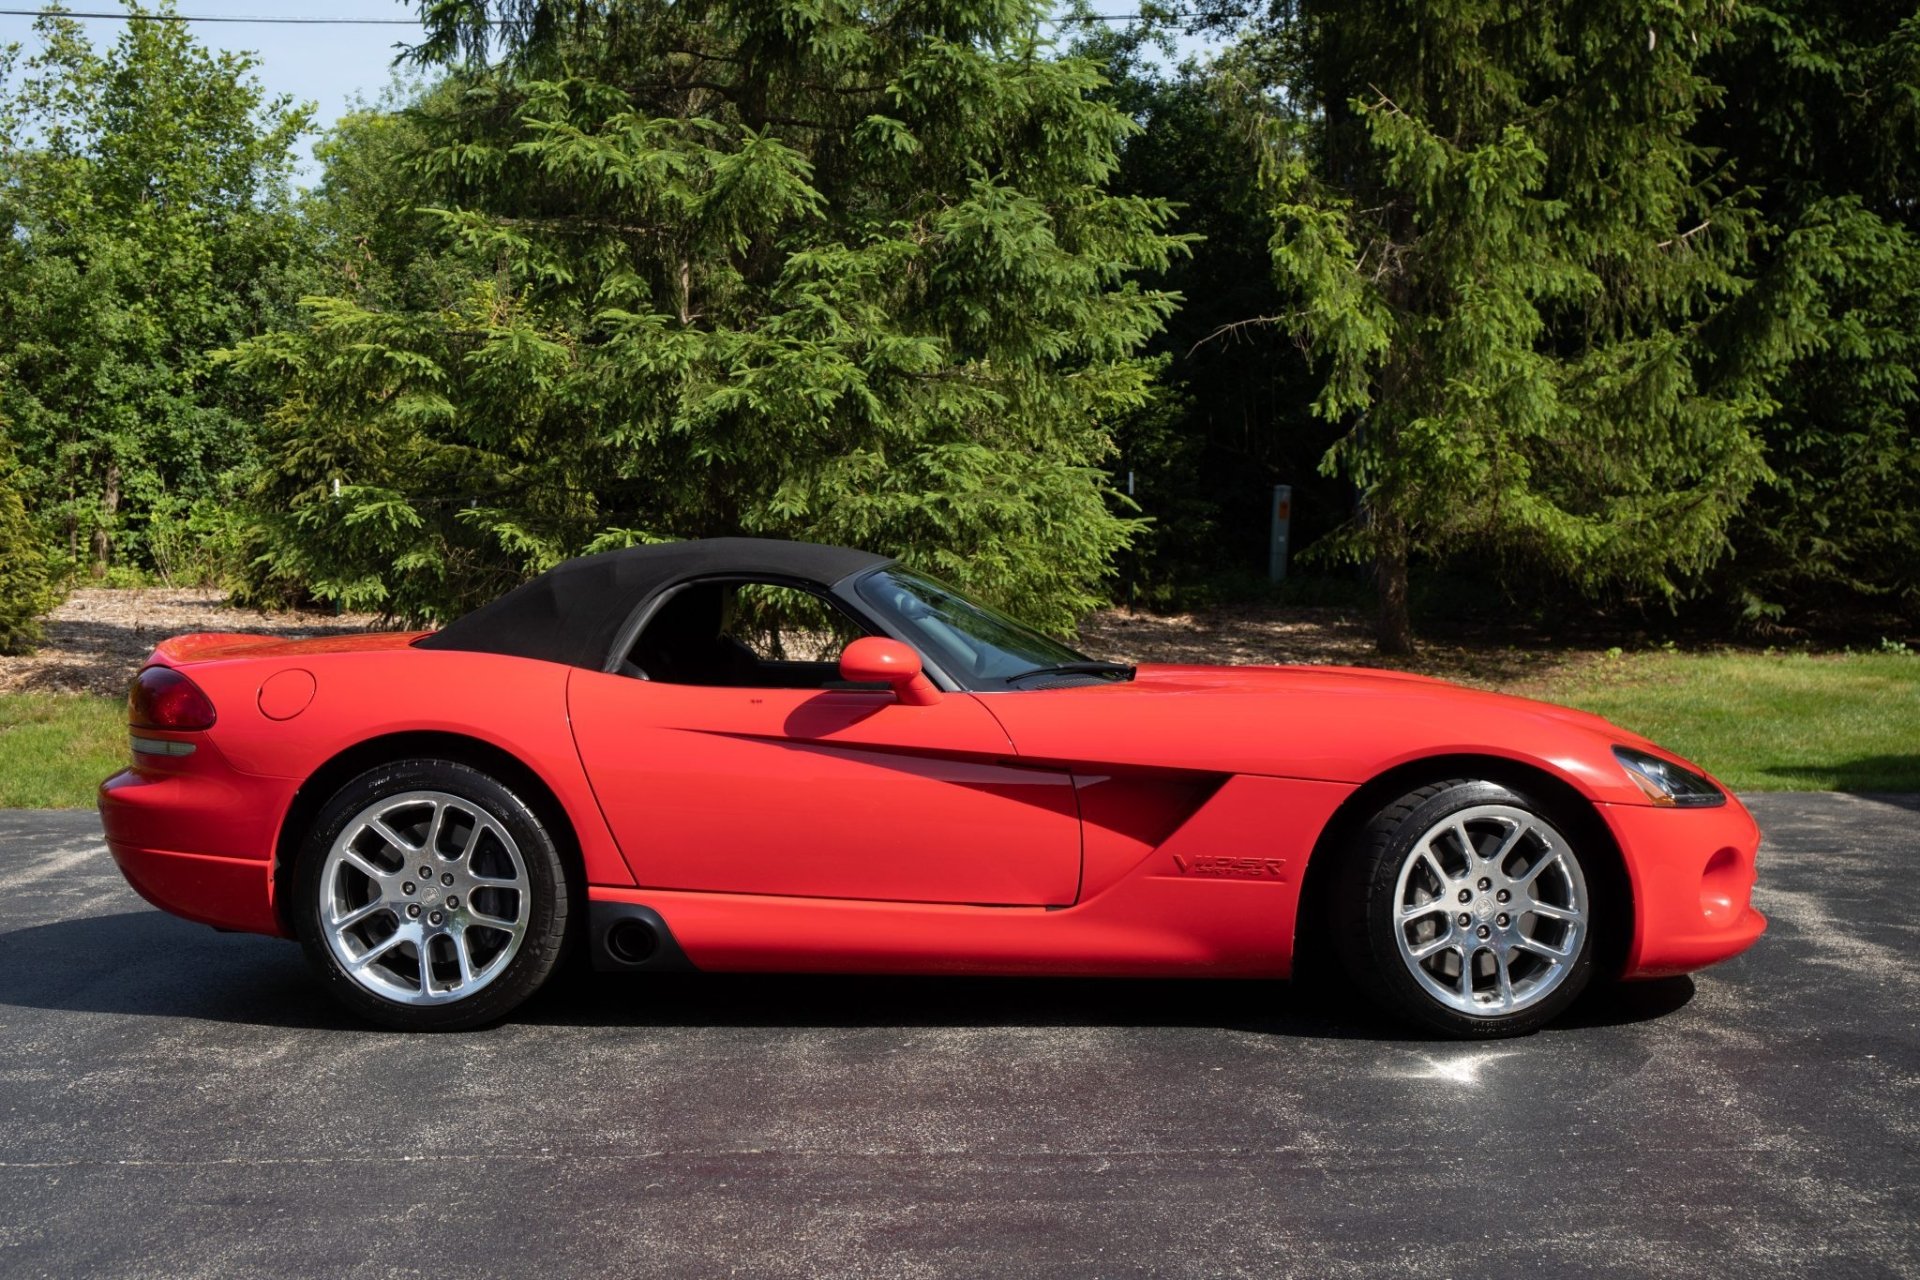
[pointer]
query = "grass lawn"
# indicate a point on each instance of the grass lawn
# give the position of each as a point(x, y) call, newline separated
point(1764, 722)
point(56, 747)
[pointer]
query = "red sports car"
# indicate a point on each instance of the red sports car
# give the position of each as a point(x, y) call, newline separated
point(750, 755)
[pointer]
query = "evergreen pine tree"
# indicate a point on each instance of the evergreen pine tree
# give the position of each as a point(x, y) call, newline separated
point(835, 271)
point(1822, 124)
point(1505, 251)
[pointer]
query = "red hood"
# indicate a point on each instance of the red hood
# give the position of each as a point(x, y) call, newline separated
point(1340, 724)
point(1349, 682)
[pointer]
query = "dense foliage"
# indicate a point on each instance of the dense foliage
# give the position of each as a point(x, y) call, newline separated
point(1232, 419)
point(1505, 257)
point(847, 273)
point(1822, 118)
point(1603, 300)
point(24, 592)
point(144, 224)
point(1611, 303)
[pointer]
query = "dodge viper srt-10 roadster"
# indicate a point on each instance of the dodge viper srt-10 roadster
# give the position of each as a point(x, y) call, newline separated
point(740, 754)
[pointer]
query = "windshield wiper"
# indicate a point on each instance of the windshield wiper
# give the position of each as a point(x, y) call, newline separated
point(1089, 668)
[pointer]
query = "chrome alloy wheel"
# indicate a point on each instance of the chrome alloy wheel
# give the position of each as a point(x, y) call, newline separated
point(1490, 910)
point(424, 898)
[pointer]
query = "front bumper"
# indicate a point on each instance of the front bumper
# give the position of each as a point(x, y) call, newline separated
point(1692, 874)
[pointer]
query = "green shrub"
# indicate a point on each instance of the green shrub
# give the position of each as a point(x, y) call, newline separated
point(197, 544)
point(25, 593)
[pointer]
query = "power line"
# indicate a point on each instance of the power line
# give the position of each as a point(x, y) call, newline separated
point(283, 21)
point(188, 17)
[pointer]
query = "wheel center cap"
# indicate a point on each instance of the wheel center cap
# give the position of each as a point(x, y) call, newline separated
point(1483, 909)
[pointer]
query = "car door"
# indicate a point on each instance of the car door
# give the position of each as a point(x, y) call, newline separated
point(822, 792)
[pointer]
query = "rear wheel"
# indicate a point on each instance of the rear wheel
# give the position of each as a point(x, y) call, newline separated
point(430, 896)
point(1468, 910)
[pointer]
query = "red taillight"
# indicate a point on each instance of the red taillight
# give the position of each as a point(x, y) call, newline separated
point(162, 698)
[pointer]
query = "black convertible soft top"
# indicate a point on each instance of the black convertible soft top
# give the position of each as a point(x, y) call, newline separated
point(573, 611)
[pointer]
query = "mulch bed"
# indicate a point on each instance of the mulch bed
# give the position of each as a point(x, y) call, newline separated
point(98, 637)
point(1266, 635)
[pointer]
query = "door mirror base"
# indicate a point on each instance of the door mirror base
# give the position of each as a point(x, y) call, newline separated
point(878, 660)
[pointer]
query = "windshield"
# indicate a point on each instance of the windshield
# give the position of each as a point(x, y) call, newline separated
point(970, 641)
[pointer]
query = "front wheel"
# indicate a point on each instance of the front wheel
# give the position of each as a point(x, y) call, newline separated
point(1468, 910)
point(430, 897)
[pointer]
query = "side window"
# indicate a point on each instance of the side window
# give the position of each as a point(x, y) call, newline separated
point(743, 635)
point(783, 624)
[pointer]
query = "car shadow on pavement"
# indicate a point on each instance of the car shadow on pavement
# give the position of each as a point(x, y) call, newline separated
point(1882, 778)
point(1904, 800)
point(1320, 1010)
point(148, 964)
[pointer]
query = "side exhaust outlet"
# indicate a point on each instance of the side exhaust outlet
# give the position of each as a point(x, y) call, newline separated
point(631, 942)
point(625, 937)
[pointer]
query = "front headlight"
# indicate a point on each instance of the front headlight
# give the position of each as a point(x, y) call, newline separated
point(1666, 782)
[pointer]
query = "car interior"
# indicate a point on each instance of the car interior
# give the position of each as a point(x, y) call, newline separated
point(744, 634)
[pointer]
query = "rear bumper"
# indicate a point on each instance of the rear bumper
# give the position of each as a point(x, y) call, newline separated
point(227, 880)
point(227, 893)
point(1692, 873)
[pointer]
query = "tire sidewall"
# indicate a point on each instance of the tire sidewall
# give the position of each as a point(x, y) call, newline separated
point(546, 933)
point(1392, 843)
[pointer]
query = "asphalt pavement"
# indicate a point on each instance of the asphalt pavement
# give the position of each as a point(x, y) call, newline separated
point(176, 1102)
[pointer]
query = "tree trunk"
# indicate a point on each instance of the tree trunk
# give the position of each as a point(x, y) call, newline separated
point(102, 532)
point(1393, 627)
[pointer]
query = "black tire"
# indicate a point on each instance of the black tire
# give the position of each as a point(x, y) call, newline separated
point(1369, 929)
point(524, 964)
